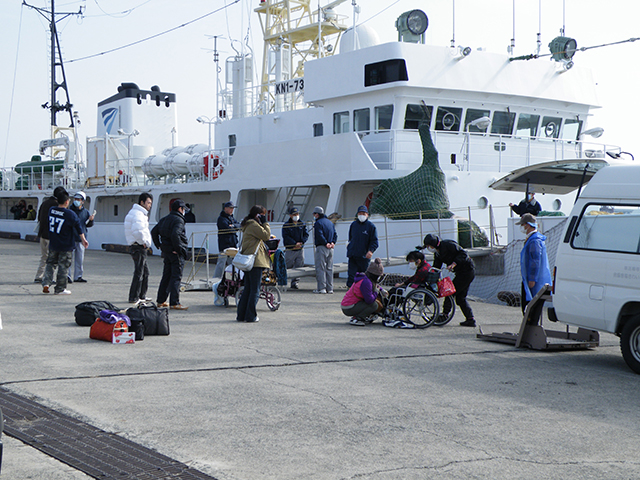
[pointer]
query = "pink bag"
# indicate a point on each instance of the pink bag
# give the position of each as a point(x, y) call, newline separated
point(445, 287)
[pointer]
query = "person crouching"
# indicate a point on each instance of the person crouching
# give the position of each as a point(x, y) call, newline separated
point(360, 300)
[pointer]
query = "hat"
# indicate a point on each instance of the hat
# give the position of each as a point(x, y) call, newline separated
point(177, 203)
point(529, 219)
point(431, 240)
point(318, 210)
point(229, 205)
point(363, 208)
point(293, 211)
point(81, 195)
point(532, 189)
point(376, 268)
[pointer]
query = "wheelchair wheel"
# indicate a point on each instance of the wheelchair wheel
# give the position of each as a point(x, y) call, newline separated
point(271, 296)
point(421, 308)
point(442, 320)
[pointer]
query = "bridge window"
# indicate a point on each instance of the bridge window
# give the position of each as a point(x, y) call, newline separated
point(384, 115)
point(571, 129)
point(502, 123)
point(317, 129)
point(527, 125)
point(385, 72)
point(473, 114)
point(448, 119)
point(361, 120)
point(416, 115)
point(550, 127)
point(341, 122)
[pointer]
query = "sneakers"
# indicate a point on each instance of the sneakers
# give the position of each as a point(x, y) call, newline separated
point(179, 307)
point(63, 292)
point(146, 299)
point(323, 291)
point(45, 289)
point(294, 286)
point(330, 292)
point(163, 304)
point(257, 319)
point(470, 322)
point(357, 322)
point(80, 280)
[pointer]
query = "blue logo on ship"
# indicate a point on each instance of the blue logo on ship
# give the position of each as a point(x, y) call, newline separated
point(109, 117)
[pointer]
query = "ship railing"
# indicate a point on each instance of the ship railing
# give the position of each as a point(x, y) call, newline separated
point(402, 149)
point(42, 177)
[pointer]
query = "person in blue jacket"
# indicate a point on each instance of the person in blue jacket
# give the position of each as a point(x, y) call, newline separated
point(294, 236)
point(363, 241)
point(325, 238)
point(534, 263)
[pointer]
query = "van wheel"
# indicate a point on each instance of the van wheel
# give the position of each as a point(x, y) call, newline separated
point(630, 343)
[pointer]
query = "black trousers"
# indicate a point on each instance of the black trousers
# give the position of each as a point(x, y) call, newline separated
point(462, 282)
point(140, 281)
point(356, 264)
point(171, 278)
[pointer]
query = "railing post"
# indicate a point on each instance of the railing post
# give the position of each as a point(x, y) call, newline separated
point(421, 232)
point(439, 231)
point(386, 237)
point(491, 226)
point(206, 246)
point(470, 227)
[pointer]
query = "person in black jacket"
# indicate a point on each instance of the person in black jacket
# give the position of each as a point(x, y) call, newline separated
point(528, 205)
point(449, 253)
point(363, 241)
point(228, 228)
point(294, 236)
point(169, 236)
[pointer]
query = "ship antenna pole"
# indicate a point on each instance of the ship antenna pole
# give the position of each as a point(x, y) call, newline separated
point(355, 11)
point(539, 41)
point(453, 33)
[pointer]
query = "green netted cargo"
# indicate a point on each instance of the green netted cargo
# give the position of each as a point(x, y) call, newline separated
point(423, 190)
point(465, 228)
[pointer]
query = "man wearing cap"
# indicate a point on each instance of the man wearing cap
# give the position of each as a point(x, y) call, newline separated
point(363, 241)
point(528, 205)
point(43, 230)
point(86, 221)
point(325, 238)
point(534, 263)
point(228, 227)
point(294, 236)
point(169, 236)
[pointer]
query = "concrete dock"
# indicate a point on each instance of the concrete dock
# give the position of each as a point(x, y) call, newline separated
point(304, 395)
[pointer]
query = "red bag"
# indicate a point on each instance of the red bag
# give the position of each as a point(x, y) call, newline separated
point(446, 287)
point(101, 330)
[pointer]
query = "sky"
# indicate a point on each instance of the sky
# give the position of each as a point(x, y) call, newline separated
point(181, 61)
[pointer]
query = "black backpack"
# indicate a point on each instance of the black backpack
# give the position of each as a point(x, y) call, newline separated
point(88, 312)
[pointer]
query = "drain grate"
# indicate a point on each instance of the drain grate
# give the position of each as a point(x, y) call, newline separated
point(97, 453)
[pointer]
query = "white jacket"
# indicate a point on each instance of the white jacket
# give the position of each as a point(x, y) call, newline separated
point(136, 226)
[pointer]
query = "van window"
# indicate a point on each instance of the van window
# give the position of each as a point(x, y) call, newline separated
point(448, 119)
point(341, 122)
point(417, 114)
point(608, 228)
point(384, 115)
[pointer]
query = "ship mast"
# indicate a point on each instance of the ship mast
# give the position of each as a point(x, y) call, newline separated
point(293, 33)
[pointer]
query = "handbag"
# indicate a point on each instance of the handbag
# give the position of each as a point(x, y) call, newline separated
point(245, 262)
point(101, 330)
point(87, 312)
point(154, 319)
point(446, 287)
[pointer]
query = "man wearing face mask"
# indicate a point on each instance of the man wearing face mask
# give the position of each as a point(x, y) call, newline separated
point(294, 236)
point(86, 221)
point(528, 205)
point(449, 253)
point(363, 241)
point(534, 263)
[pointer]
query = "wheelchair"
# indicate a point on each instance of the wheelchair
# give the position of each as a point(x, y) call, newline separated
point(419, 306)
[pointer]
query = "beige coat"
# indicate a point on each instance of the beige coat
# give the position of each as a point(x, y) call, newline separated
point(253, 234)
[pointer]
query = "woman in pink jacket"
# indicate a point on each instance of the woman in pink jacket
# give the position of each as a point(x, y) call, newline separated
point(360, 300)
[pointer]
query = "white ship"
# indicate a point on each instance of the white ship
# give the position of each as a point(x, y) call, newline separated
point(335, 116)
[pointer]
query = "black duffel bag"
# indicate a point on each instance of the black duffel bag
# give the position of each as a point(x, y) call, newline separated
point(156, 320)
point(87, 312)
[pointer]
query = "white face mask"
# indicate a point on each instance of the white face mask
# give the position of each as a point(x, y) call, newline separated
point(431, 249)
point(296, 218)
point(362, 218)
point(412, 265)
point(523, 229)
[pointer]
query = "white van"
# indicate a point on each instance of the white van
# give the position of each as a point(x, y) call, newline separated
point(597, 271)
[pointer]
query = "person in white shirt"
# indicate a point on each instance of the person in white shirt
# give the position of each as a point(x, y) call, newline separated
point(136, 231)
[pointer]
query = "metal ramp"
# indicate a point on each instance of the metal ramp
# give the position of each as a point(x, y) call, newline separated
point(534, 336)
